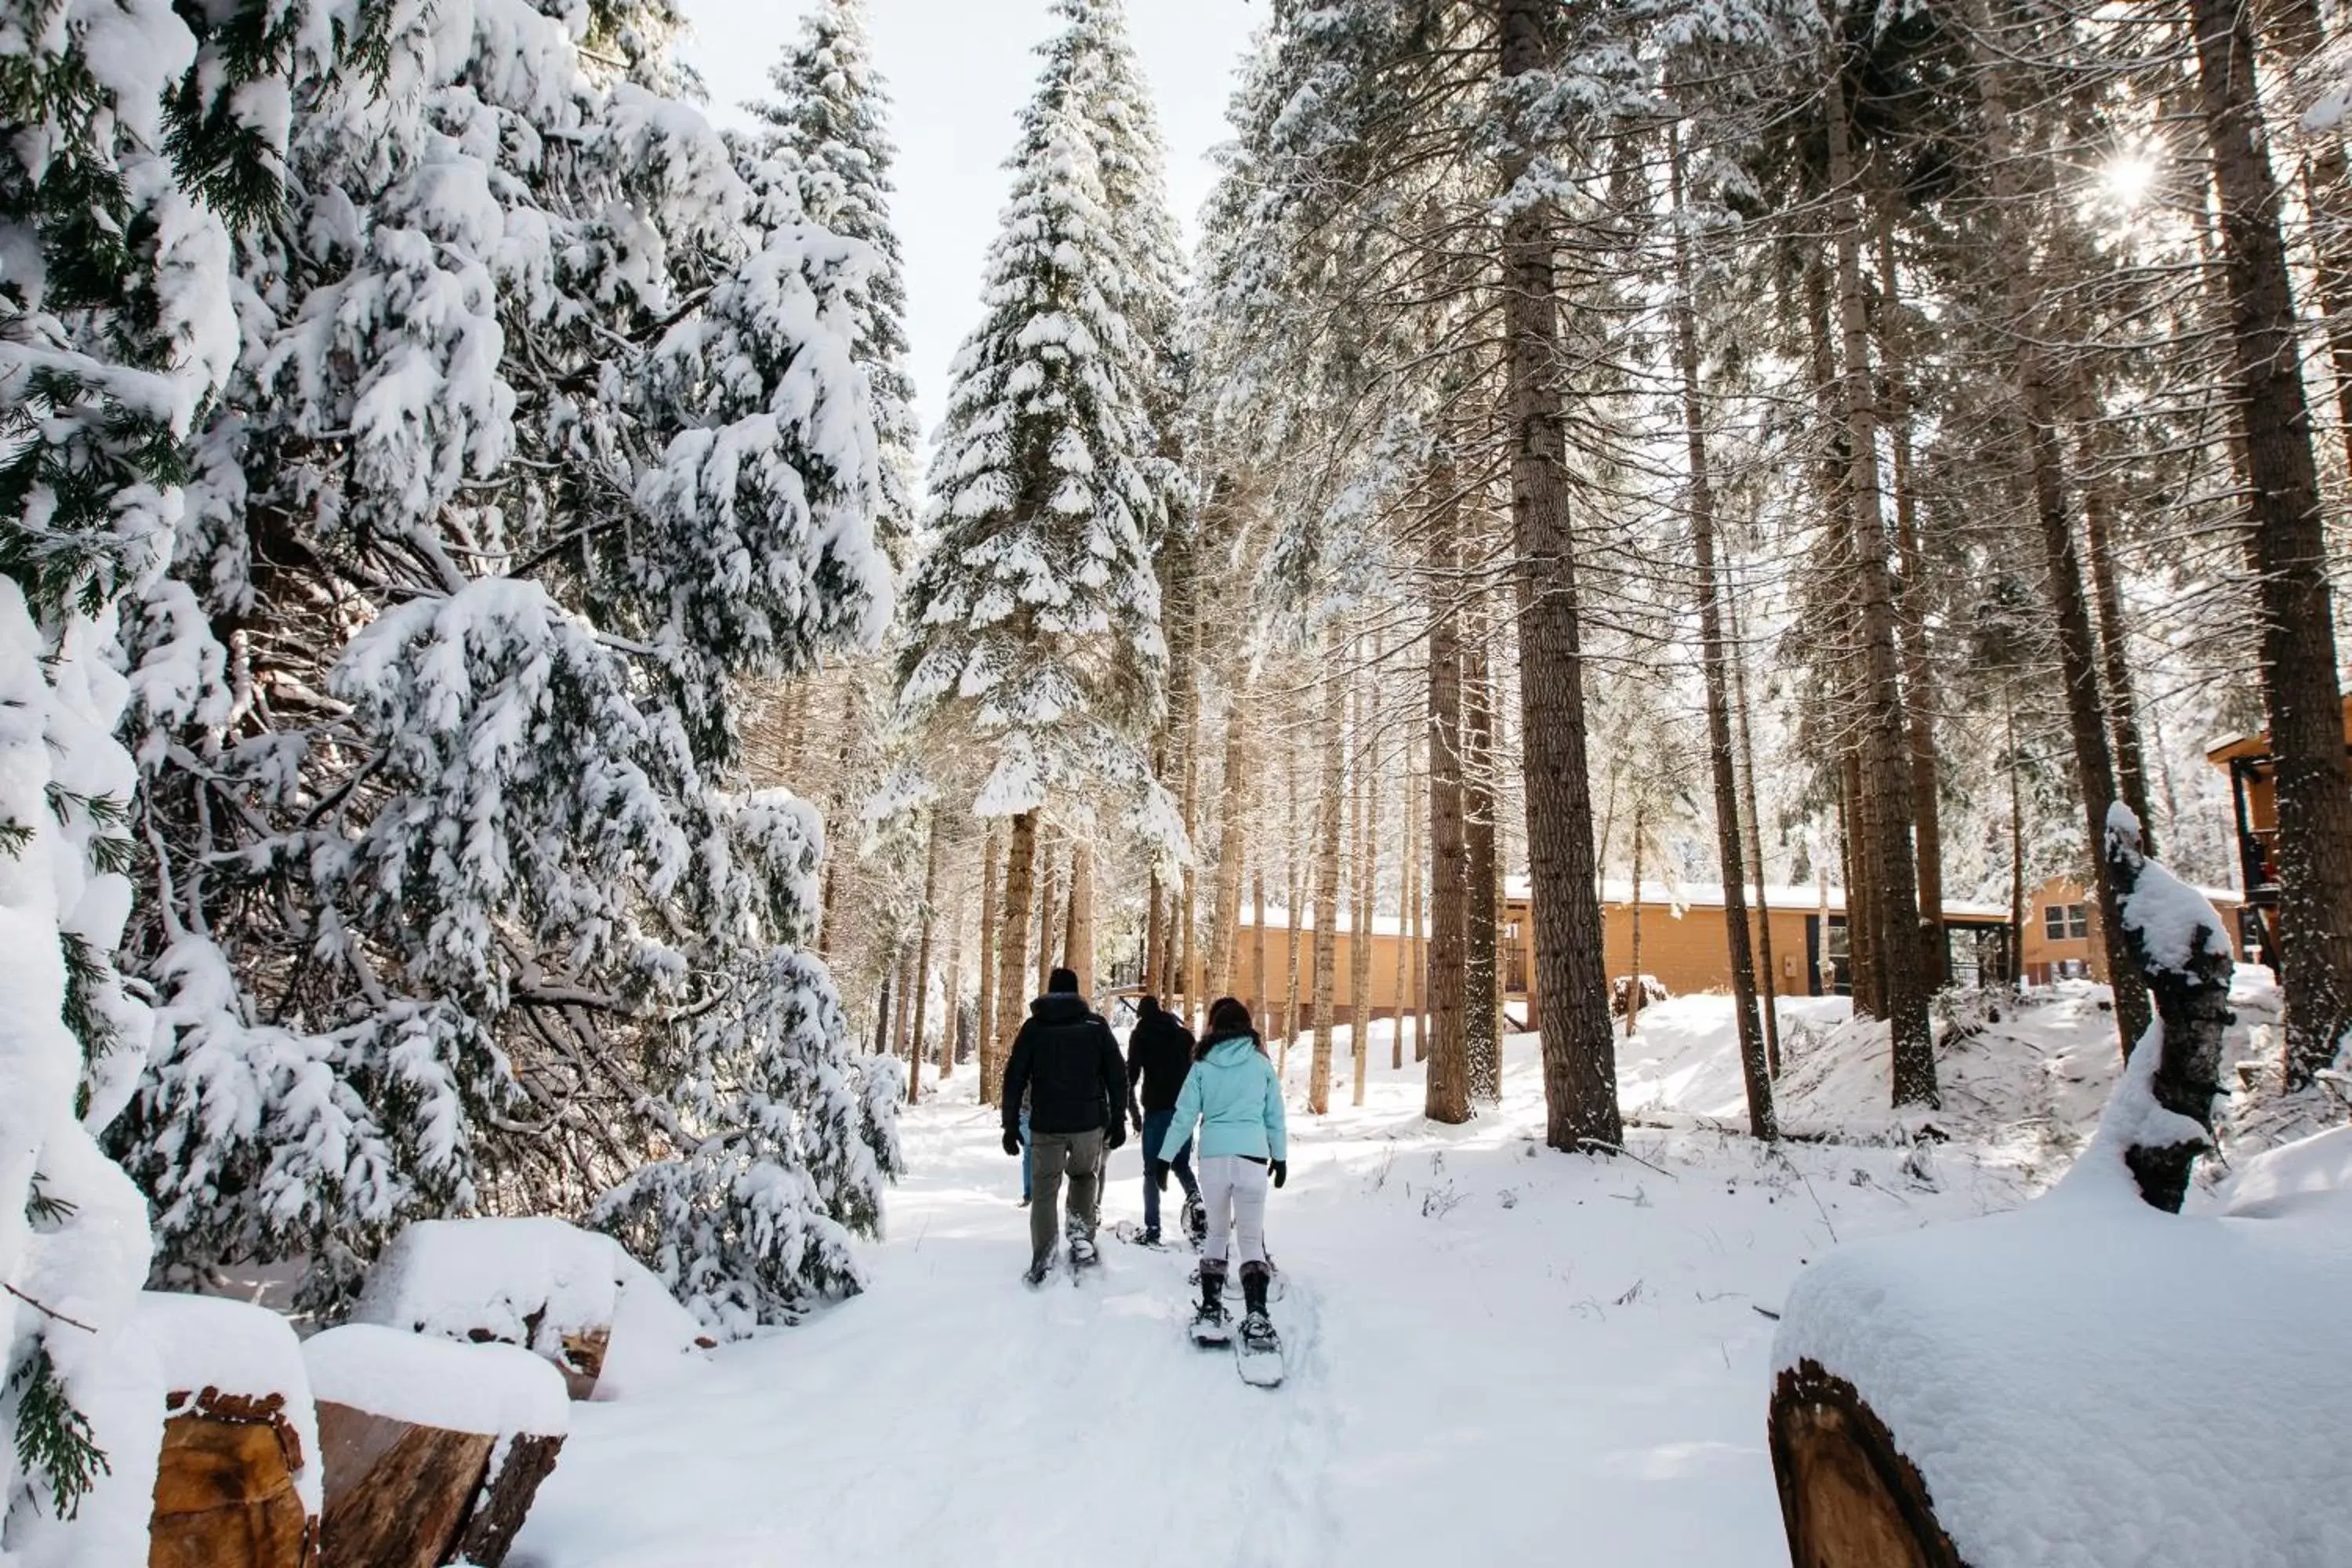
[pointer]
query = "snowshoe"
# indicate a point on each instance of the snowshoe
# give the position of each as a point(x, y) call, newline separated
point(1034, 1275)
point(1196, 1222)
point(1134, 1234)
point(1258, 1354)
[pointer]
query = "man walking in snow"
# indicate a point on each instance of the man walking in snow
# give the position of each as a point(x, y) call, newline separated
point(1158, 1056)
point(1066, 1061)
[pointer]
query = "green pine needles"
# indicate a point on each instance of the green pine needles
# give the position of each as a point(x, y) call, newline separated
point(53, 1439)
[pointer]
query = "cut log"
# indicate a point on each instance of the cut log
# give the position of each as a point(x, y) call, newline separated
point(1848, 1496)
point(397, 1493)
point(225, 1489)
point(517, 1466)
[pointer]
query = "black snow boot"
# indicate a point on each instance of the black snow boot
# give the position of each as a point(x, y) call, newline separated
point(1210, 1322)
point(1196, 1219)
point(1257, 1328)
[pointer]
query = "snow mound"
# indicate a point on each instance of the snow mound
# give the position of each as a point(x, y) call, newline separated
point(529, 1282)
point(2065, 1376)
point(249, 1352)
point(489, 1388)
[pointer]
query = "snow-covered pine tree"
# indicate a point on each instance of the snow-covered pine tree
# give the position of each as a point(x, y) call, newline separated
point(1034, 618)
point(547, 427)
point(144, 132)
point(830, 116)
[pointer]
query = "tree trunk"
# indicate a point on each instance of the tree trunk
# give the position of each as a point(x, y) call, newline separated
point(1362, 901)
point(1771, 988)
point(1446, 1095)
point(990, 1065)
point(1910, 590)
point(1013, 962)
point(923, 962)
point(2107, 598)
point(1327, 826)
point(1232, 850)
point(1079, 939)
point(1408, 911)
point(1886, 738)
point(2328, 197)
point(951, 990)
point(1755, 1069)
point(1481, 977)
point(2086, 709)
point(1634, 980)
point(1295, 858)
point(1579, 1056)
point(2298, 630)
point(1258, 1000)
point(2016, 854)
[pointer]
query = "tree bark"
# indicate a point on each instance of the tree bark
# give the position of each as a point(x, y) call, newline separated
point(951, 990)
point(2086, 709)
point(923, 961)
point(990, 1065)
point(1408, 911)
point(1297, 914)
point(1481, 976)
point(2328, 197)
point(1012, 961)
point(1771, 997)
point(1049, 898)
point(1232, 850)
point(2298, 629)
point(1755, 1069)
point(1078, 937)
point(1327, 826)
point(1634, 959)
point(1579, 1060)
point(1363, 902)
point(1885, 740)
point(1446, 1094)
point(1911, 620)
point(2107, 599)
point(1258, 1008)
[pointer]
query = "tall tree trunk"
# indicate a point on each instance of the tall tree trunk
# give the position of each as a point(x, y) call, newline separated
point(1295, 858)
point(1634, 980)
point(1188, 950)
point(1013, 955)
point(990, 1065)
point(1078, 934)
point(902, 1038)
point(923, 960)
point(951, 996)
point(2016, 851)
point(1408, 910)
point(2115, 644)
point(1580, 1054)
point(1885, 739)
point(1049, 897)
point(1258, 999)
point(1481, 976)
point(1446, 1095)
point(2298, 631)
point(1755, 1069)
point(1771, 988)
point(1155, 940)
point(2327, 196)
point(2086, 709)
point(1910, 607)
point(1327, 826)
point(1232, 850)
point(1363, 904)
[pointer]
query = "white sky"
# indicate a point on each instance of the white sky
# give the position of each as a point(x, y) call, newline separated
point(957, 70)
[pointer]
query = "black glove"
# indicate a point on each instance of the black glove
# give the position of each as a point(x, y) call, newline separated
point(1159, 1175)
point(1136, 1112)
point(1012, 1143)
point(1281, 1171)
point(1118, 1134)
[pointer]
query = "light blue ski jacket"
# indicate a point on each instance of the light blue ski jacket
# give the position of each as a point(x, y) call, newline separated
point(1234, 1097)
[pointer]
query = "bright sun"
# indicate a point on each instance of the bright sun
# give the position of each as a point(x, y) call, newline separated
point(2128, 177)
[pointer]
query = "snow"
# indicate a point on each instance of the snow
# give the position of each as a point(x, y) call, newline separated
point(200, 1342)
point(2065, 1375)
point(428, 1382)
point(1488, 1342)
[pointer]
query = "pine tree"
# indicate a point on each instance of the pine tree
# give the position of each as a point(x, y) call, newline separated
point(830, 117)
point(1033, 618)
point(548, 427)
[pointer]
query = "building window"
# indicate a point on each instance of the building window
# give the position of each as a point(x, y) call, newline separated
point(2054, 922)
point(2078, 921)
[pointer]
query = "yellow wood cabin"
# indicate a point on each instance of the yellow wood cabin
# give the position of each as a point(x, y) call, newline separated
point(2253, 790)
point(2062, 939)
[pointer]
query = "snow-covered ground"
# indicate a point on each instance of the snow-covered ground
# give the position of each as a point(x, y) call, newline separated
point(1492, 1348)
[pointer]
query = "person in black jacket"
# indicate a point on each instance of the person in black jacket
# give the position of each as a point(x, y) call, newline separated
point(1158, 1055)
point(1067, 1062)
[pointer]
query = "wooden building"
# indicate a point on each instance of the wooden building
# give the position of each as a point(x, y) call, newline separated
point(2062, 939)
point(1682, 938)
point(2253, 791)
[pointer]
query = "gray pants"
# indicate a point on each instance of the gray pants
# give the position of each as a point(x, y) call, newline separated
point(1234, 1191)
point(1080, 1156)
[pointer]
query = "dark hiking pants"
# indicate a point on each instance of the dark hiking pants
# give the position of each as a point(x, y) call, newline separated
point(1080, 1156)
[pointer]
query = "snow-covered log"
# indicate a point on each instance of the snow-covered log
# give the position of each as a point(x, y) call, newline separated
point(2026, 1390)
point(238, 1484)
point(433, 1451)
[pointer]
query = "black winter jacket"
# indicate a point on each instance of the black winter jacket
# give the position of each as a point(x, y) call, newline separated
point(1158, 1055)
point(1065, 1060)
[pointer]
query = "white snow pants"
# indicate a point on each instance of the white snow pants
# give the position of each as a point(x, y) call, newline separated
point(1234, 1189)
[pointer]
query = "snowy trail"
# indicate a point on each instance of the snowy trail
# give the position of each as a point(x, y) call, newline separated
point(1492, 1349)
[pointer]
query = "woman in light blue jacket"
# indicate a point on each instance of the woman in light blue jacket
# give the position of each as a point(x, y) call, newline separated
point(1233, 1097)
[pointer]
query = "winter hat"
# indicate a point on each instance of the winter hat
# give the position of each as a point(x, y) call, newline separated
point(1228, 1016)
point(1145, 1007)
point(1063, 980)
